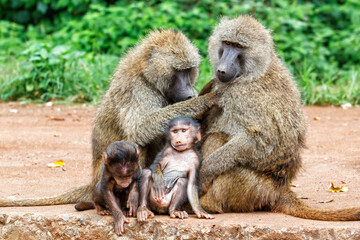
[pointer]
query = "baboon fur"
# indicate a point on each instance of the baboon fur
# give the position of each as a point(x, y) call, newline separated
point(135, 107)
point(254, 136)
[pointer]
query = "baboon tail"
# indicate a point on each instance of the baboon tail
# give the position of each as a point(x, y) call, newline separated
point(291, 205)
point(83, 193)
point(82, 206)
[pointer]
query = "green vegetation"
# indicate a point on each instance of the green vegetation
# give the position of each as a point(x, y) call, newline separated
point(67, 50)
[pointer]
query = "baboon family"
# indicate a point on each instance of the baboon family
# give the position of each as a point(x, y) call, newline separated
point(251, 119)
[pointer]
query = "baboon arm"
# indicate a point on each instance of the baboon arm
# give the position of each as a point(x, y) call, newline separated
point(111, 201)
point(145, 126)
point(239, 150)
point(192, 191)
point(158, 177)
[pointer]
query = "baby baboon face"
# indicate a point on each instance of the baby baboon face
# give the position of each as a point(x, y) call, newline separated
point(230, 57)
point(183, 133)
point(121, 161)
point(180, 88)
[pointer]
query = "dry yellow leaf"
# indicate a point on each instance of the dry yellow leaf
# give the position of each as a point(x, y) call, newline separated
point(58, 163)
point(337, 189)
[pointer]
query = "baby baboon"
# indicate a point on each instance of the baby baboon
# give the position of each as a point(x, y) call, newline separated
point(254, 136)
point(146, 92)
point(173, 175)
point(117, 188)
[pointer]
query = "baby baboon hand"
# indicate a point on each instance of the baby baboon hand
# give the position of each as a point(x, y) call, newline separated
point(132, 203)
point(104, 212)
point(158, 186)
point(119, 223)
point(132, 208)
point(143, 213)
point(179, 214)
point(203, 214)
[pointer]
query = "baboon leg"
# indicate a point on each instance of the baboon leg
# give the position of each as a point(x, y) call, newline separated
point(97, 167)
point(142, 156)
point(242, 190)
point(212, 142)
point(178, 199)
point(239, 190)
point(82, 206)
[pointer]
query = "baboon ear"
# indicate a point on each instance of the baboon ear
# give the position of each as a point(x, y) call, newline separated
point(198, 135)
point(105, 158)
point(137, 152)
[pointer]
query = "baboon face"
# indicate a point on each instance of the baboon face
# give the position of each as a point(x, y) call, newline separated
point(122, 172)
point(182, 132)
point(182, 136)
point(240, 48)
point(172, 64)
point(230, 57)
point(121, 160)
point(180, 87)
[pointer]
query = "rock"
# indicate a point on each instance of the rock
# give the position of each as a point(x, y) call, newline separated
point(32, 226)
point(3, 219)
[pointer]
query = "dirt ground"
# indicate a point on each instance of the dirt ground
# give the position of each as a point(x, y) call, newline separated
point(33, 135)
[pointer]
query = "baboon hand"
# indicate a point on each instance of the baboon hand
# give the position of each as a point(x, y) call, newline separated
point(132, 204)
point(212, 99)
point(207, 88)
point(203, 214)
point(119, 223)
point(179, 214)
point(143, 213)
point(158, 186)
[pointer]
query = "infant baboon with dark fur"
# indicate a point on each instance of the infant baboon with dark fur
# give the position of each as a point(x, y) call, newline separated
point(148, 89)
point(173, 175)
point(254, 136)
point(117, 188)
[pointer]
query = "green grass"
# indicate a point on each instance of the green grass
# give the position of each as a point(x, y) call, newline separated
point(334, 88)
point(43, 73)
point(206, 74)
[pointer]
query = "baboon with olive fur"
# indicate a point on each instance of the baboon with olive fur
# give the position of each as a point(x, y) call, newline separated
point(148, 90)
point(254, 136)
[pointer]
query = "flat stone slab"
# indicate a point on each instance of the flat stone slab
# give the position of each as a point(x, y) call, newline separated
point(42, 223)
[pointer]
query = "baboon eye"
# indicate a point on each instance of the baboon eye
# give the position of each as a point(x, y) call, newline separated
point(184, 130)
point(237, 45)
point(227, 42)
point(175, 131)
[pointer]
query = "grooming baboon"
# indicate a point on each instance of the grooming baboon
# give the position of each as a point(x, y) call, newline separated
point(146, 92)
point(254, 136)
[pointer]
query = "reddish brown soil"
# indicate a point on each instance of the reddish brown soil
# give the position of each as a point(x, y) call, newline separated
point(33, 135)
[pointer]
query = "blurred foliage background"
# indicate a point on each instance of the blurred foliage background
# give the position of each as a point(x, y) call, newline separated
point(67, 50)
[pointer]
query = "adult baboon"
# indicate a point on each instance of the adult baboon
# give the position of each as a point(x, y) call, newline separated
point(255, 134)
point(146, 92)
